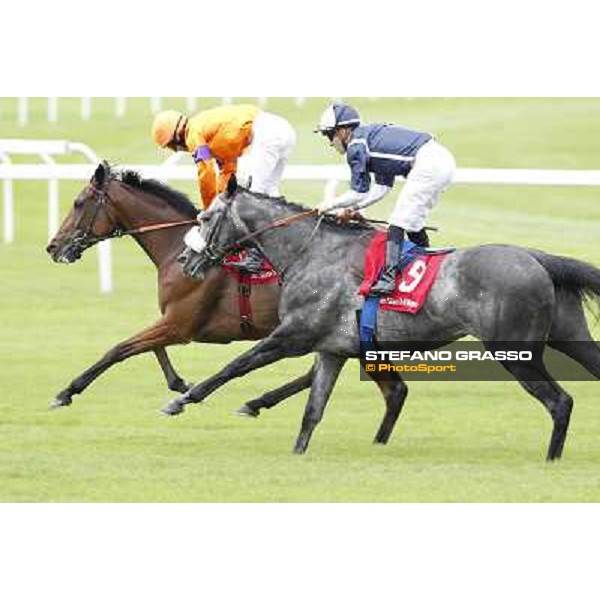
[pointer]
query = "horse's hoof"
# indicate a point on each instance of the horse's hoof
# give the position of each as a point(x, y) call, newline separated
point(181, 386)
point(59, 402)
point(172, 409)
point(247, 411)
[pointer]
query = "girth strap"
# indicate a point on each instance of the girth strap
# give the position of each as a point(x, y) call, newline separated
point(244, 293)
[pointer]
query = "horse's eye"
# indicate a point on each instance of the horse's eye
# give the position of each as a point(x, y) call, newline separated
point(79, 202)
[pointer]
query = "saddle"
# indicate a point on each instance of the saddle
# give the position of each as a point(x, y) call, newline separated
point(357, 252)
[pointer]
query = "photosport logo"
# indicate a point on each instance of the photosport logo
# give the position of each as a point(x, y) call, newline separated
point(473, 361)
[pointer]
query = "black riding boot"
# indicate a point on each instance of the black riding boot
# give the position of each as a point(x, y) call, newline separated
point(420, 238)
point(251, 263)
point(386, 283)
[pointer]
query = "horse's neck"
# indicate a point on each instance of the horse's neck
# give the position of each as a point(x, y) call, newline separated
point(284, 244)
point(142, 210)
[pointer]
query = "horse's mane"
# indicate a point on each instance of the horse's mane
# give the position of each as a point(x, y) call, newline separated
point(296, 207)
point(177, 200)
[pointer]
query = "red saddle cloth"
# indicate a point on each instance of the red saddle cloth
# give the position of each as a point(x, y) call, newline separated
point(412, 286)
point(267, 272)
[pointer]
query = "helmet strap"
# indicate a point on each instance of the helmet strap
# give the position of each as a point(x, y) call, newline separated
point(176, 138)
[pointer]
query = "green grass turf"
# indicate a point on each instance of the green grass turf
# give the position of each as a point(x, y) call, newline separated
point(455, 441)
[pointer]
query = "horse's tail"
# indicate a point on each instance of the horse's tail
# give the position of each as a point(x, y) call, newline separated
point(572, 276)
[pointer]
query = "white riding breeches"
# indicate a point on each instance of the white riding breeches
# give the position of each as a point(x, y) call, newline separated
point(273, 140)
point(432, 173)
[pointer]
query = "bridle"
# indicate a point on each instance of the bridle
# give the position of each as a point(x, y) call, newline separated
point(216, 254)
point(102, 199)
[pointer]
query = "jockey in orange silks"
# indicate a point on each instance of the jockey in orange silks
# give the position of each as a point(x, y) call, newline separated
point(223, 136)
point(231, 139)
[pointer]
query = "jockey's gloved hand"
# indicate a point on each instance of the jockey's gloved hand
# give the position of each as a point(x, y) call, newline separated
point(325, 207)
point(345, 215)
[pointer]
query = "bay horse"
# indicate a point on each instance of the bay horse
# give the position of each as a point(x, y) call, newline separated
point(496, 293)
point(156, 216)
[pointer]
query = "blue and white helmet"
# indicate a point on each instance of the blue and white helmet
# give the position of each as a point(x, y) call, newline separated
point(337, 115)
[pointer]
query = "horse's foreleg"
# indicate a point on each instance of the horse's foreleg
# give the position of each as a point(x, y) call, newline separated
point(273, 398)
point(328, 368)
point(174, 381)
point(267, 351)
point(159, 335)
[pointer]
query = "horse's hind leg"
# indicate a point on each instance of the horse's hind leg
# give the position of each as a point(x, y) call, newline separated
point(536, 380)
point(394, 393)
point(587, 354)
point(570, 334)
point(273, 398)
point(526, 316)
point(174, 381)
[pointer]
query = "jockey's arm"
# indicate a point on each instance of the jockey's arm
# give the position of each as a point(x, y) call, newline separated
point(228, 143)
point(356, 200)
point(207, 175)
point(207, 182)
point(362, 193)
point(375, 194)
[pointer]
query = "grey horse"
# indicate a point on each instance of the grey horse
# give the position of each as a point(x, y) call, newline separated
point(491, 292)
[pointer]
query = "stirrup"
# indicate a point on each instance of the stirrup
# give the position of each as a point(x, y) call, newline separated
point(385, 285)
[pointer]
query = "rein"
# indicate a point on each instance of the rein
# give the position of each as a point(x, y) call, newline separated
point(218, 254)
point(102, 200)
point(275, 225)
point(155, 227)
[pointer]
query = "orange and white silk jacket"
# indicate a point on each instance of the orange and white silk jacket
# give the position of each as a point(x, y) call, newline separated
point(219, 134)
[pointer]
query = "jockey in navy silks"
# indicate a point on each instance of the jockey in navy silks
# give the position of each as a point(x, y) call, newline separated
point(388, 151)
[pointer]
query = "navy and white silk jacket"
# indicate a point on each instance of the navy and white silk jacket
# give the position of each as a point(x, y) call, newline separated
point(384, 150)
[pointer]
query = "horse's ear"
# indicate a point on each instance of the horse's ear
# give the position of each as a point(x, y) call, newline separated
point(100, 174)
point(232, 186)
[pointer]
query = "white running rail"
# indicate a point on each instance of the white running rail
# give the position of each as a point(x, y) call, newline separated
point(120, 104)
point(330, 175)
point(47, 150)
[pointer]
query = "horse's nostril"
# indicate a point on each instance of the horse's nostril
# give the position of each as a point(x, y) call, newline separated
point(50, 248)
